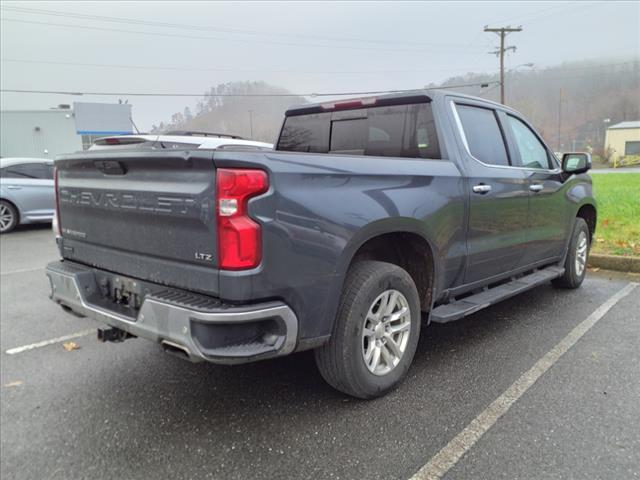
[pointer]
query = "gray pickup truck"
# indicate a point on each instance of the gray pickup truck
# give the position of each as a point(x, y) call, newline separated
point(370, 219)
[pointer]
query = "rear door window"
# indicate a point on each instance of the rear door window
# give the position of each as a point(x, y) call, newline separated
point(483, 134)
point(388, 131)
point(41, 171)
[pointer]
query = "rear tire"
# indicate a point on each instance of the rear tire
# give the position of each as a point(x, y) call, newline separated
point(376, 331)
point(575, 265)
point(8, 216)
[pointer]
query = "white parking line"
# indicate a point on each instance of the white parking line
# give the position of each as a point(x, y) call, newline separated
point(44, 343)
point(446, 458)
point(24, 270)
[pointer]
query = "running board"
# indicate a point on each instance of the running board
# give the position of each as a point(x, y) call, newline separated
point(458, 309)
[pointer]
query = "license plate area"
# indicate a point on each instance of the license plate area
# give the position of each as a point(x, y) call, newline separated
point(125, 292)
point(118, 294)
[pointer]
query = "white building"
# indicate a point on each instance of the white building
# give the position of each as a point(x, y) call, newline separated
point(623, 139)
point(47, 133)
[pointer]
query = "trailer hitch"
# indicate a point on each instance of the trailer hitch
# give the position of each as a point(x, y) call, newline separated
point(113, 334)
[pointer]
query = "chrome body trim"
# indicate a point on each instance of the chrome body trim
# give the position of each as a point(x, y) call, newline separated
point(466, 146)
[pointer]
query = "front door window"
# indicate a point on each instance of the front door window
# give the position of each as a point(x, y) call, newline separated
point(533, 153)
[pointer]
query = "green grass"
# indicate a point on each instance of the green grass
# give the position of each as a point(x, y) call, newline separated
point(618, 229)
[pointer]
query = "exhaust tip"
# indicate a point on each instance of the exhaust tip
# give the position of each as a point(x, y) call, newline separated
point(176, 349)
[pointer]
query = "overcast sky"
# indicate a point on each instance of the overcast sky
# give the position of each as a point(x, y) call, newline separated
point(302, 46)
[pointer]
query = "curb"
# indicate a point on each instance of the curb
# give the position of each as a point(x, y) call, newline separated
point(615, 262)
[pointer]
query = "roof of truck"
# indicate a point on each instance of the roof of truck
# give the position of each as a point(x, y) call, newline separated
point(416, 96)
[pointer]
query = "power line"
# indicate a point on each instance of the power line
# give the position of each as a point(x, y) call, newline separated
point(313, 94)
point(556, 9)
point(314, 72)
point(589, 75)
point(132, 21)
point(258, 95)
point(580, 4)
point(197, 37)
point(536, 14)
point(226, 69)
point(165, 94)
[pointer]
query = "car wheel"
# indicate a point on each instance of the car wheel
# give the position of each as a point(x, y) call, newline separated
point(575, 265)
point(8, 217)
point(376, 331)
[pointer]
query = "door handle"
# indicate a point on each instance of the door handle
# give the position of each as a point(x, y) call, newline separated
point(536, 187)
point(14, 187)
point(481, 188)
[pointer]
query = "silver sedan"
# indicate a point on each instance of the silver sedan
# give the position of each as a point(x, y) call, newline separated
point(26, 192)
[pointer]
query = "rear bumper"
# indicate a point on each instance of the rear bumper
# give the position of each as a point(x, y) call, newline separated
point(200, 328)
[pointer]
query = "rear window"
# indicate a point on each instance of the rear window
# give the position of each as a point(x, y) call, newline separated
point(389, 131)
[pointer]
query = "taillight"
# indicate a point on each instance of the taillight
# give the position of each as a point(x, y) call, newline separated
point(57, 228)
point(239, 237)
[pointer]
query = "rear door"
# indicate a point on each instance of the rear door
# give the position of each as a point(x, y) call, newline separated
point(498, 193)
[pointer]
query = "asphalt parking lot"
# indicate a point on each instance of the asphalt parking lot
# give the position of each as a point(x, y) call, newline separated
point(130, 411)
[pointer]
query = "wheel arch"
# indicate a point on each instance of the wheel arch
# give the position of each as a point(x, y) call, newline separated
point(589, 213)
point(399, 241)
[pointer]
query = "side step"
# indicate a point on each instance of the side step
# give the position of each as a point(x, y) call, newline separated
point(458, 309)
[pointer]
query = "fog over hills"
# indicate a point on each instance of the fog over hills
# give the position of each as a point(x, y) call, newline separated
point(239, 115)
point(569, 103)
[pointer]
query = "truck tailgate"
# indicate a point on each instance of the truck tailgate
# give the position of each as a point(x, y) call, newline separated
point(146, 214)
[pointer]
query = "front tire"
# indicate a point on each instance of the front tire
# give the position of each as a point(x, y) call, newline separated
point(376, 331)
point(8, 217)
point(575, 265)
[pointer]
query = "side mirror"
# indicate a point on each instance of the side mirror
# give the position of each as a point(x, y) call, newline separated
point(574, 163)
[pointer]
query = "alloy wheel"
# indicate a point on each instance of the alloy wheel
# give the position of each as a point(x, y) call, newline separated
point(581, 253)
point(6, 218)
point(386, 331)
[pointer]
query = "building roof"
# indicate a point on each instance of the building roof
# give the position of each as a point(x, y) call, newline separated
point(44, 110)
point(633, 124)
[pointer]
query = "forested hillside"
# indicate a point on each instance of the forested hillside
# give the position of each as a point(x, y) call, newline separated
point(238, 115)
point(571, 104)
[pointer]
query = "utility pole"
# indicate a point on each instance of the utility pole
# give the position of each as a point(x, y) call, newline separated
point(559, 120)
point(502, 33)
point(251, 123)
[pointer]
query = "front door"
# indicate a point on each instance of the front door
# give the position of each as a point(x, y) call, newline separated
point(548, 227)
